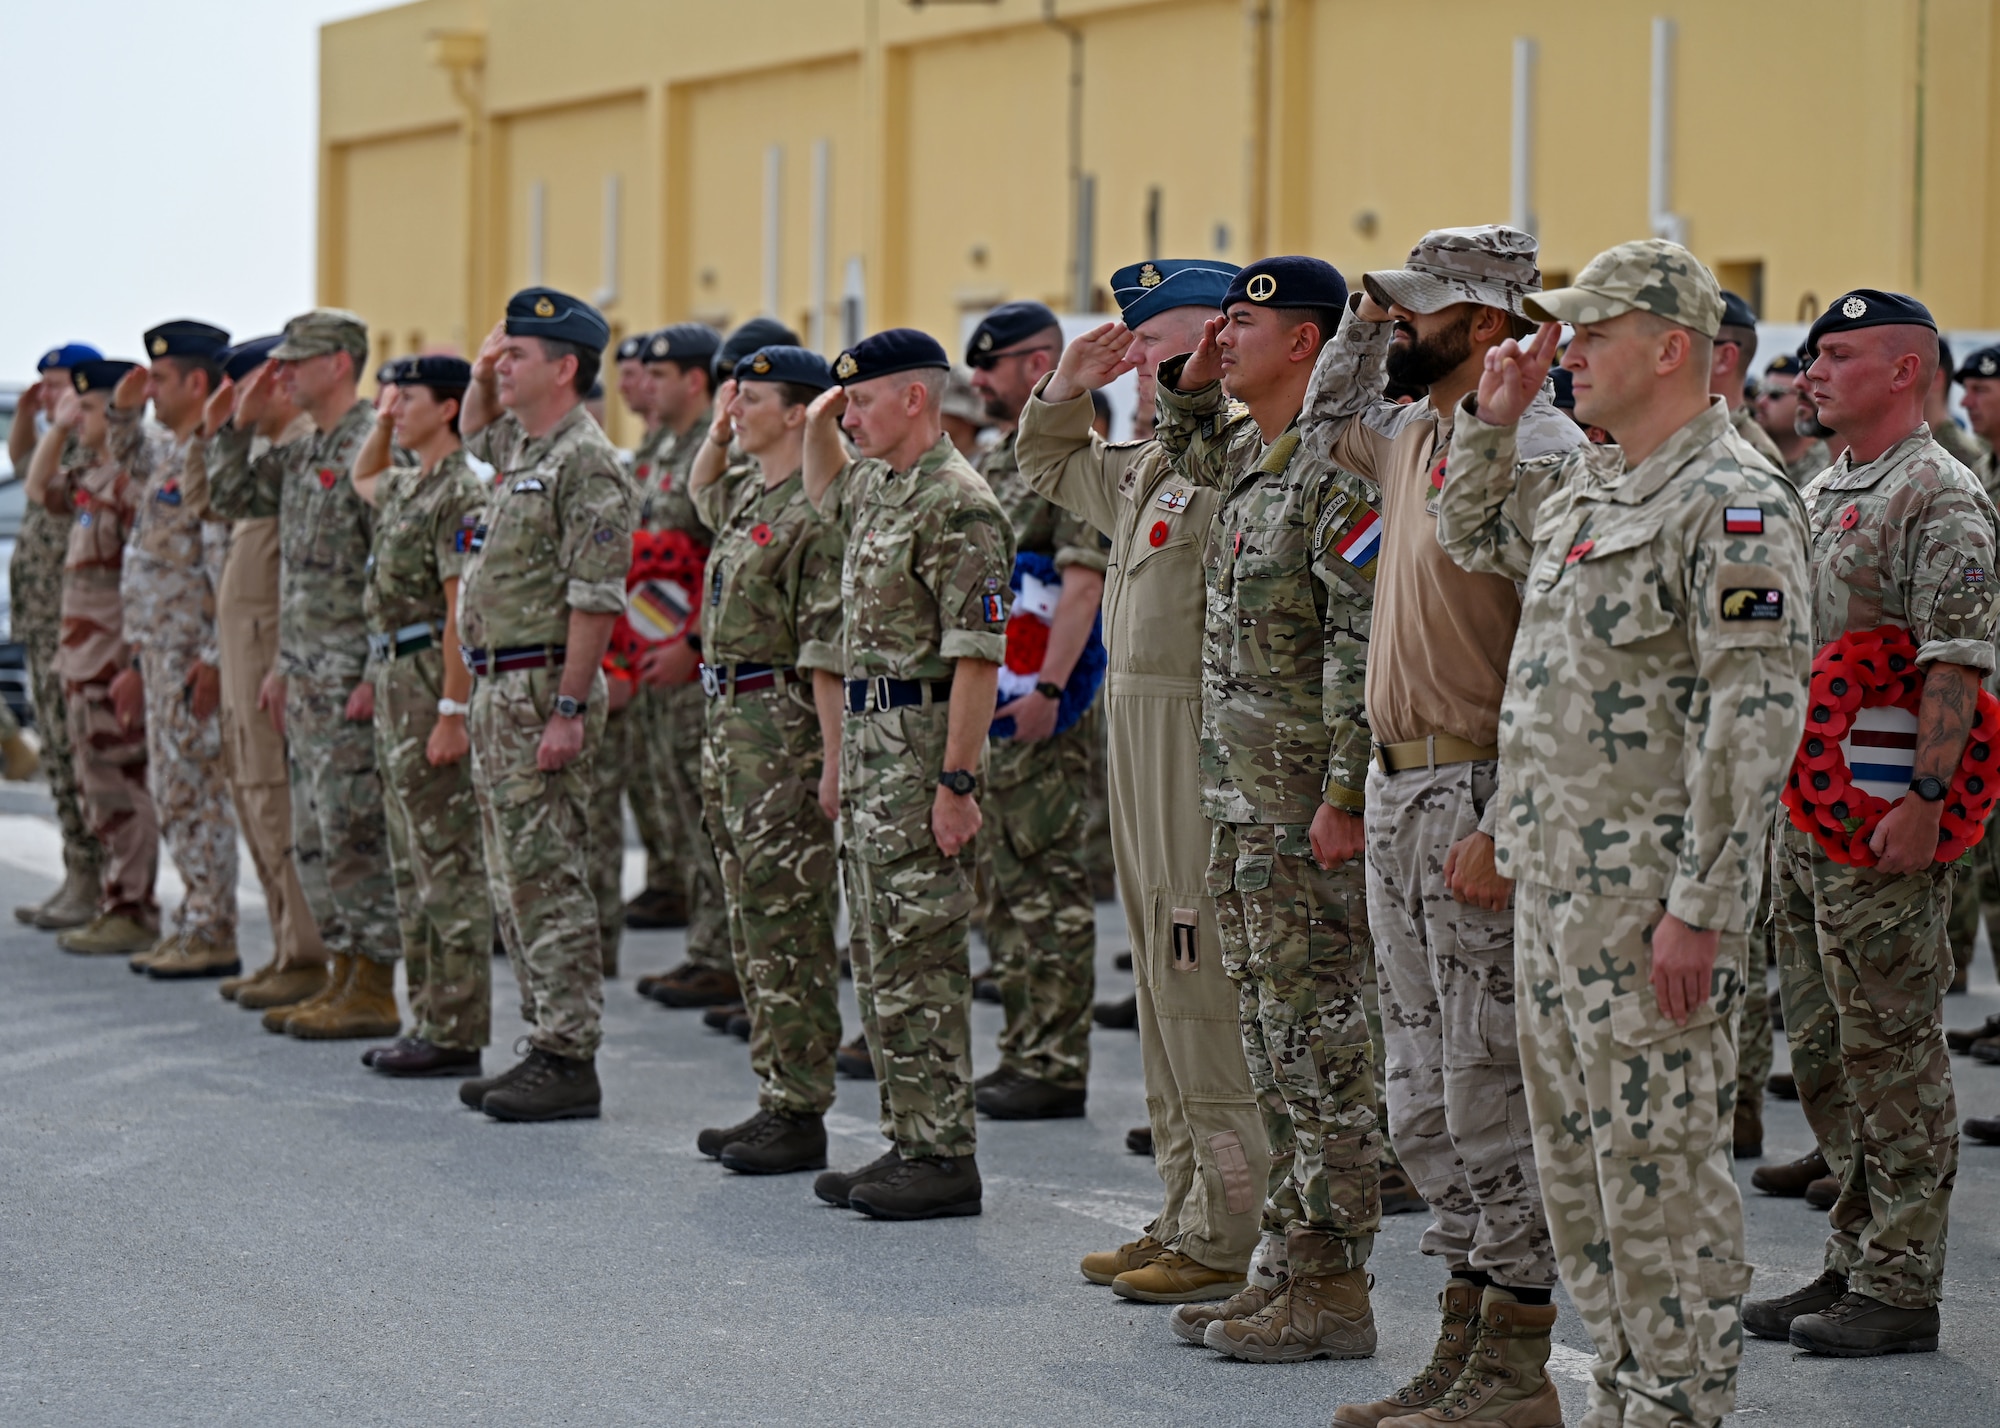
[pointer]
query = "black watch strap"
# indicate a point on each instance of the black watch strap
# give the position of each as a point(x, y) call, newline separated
point(569, 708)
point(1048, 690)
point(1930, 790)
point(959, 781)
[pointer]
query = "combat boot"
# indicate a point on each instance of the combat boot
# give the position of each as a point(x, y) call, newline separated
point(165, 947)
point(1822, 1193)
point(1028, 1098)
point(1139, 1140)
point(1747, 1132)
point(228, 987)
point(548, 1088)
point(195, 957)
point(281, 1013)
point(289, 988)
point(1986, 1049)
point(401, 1043)
point(20, 760)
point(1460, 1306)
point(1506, 1380)
point(717, 1018)
point(1118, 1016)
point(1790, 1179)
point(1783, 1085)
point(1191, 1321)
point(414, 1057)
point(833, 1186)
point(1399, 1193)
point(1176, 1278)
point(473, 1092)
point(72, 905)
point(689, 986)
point(365, 1007)
point(710, 1142)
point(739, 1026)
point(928, 1188)
point(1315, 1316)
point(657, 908)
point(1104, 1266)
point(109, 934)
point(1856, 1326)
point(1772, 1318)
point(1961, 1041)
point(853, 1059)
point(781, 1145)
point(1984, 1129)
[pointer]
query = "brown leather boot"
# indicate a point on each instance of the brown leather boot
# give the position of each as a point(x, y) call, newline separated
point(1790, 1179)
point(1103, 1266)
point(290, 988)
point(365, 1007)
point(1315, 1316)
point(1506, 1380)
point(1747, 1134)
point(1460, 1306)
point(336, 982)
point(230, 986)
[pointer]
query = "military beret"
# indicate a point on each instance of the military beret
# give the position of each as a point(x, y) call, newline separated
point(1145, 290)
point(186, 338)
point(1288, 282)
point(545, 312)
point(244, 358)
point(69, 356)
point(633, 348)
point(321, 331)
point(781, 362)
point(430, 370)
point(1736, 312)
point(99, 374)
point(692, 344)
point(1785, 364)
point(1868, 307)
point(1006, 325)
point(1646, 275)
point(385, 375)
point(757, 332)
point(1564, 395)
point(1983, 363)
point(898, 349)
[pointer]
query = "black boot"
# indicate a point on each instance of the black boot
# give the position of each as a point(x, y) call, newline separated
point(411, 1057)
point(1119, 1016)
point(710, 1142)
point(1790, 1179)
point(833, 1186)
point(1858, 1327)
point(1027, 1099)
point(925, 1189)
point(475, 1091)
point(779, 1146)
point(401, 1043)
point(718, 1018)
point(1139, 1140)
point(1772, 1318)
point(853, 1060)
point(739, 1026)
point(548, 1088)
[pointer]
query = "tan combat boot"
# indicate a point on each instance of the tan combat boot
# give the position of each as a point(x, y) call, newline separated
point(71, 905)
point(166, 945)
point(1176, 1278)
point(1263, 1279)
point(20, 757)
point(109, 934)
point(1103, 1266)
point(194, 956)
point(281, 1013)
point(1315, 1316)
point(366, 1007)
point(1506, 1380)
point(289, 988)
point(1460, 1306)
point(228, 987)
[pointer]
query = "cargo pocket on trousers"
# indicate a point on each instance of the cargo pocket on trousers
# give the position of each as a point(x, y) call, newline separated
point(1663, 1091)
point(1894, 947)
point(1725, 1278)
point(1239, 1195)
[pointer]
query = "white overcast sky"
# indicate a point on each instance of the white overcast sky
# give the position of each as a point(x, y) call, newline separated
point(160, 163)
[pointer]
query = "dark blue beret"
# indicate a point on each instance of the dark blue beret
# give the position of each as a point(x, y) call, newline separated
point(544, 312)
point(784, 363)
point(633, 348)
point(244, 358)
point(1785, 365)
point(385, 375)
point(898, 349)
point(1736, 312)
point(1983, 363)
point(69, 356)
point(691, 344)
point(1564, 395)
point(430, 370)
point(185, 338)
point(1288, 282)
point(1868, 307)
point(757, 332)
point(1145, 290)
point(1007, 324)
point(99, 374)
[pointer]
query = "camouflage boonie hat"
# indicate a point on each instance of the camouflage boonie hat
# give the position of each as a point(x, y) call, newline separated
point(323, 330)
point(1649, 275)
point(1490, 264)
point(962, 401)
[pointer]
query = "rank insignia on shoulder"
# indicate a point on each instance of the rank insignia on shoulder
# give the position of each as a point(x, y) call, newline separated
point(327, 477)
point(1743, 520)
point(1741, 603)
point(527, 484)
point(1174, 499)
point(994, 608)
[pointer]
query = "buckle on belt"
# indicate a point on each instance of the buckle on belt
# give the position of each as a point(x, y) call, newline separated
point(880, 685)
point(711, 682)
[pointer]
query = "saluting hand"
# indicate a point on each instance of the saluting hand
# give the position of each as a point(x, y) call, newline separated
point(1094, 360)
point(253, 398)
point(132, 390)
point(68, 415)
point(826, 408)
point(220, 406)
point(1514, 374)
point(1204, 364)
point(489, 353)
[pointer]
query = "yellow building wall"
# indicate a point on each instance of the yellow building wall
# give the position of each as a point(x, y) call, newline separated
point(405, 241)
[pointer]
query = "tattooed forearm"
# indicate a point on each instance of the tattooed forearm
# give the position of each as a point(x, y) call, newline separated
point(1945, 718)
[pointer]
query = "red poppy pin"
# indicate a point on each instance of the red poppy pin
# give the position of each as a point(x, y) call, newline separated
point(760, 533)
point(1158, 535)
point(1579, 551)
point(327, 476)
point(1849, 516)
point(1437, 474)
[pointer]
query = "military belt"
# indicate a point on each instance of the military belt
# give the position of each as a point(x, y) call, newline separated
point(871, 696)
point(409, 640)
point(490, 662)
point(718, 680)
point(1430, 753)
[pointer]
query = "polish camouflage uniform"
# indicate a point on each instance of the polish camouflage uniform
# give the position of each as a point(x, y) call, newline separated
point(1283, 731)
point(173, 567)
point(773, 602)
point(1649, 718)
point(340, 839)
point(423, 527)
point(923, 584)
point(556, 535)
point(1906, 540)
point(1036, 910)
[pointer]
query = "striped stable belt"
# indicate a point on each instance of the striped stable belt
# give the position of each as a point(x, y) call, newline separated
point(490, 662)
point(1430, 753)
point(719, 680)
point(871, 696)
point(409, 640)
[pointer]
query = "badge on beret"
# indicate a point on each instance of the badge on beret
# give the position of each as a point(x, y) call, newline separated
point(159, 345)
point(1262, 288)
point(1149, 276)
point(845, 367)
point(985, 342)
point(1854, 307)
point(544, 308)
point(1987, 366)
point(49, 357)
point(661, 346)
point(82, 381)
point(760, 364)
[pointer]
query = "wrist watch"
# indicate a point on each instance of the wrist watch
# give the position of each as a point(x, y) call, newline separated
point(1048, 690)
point(959, 781)
point(568, 708)
point(1930, 790)
point(453, 706)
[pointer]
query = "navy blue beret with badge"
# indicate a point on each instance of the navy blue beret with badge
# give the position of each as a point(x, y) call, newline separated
point(1736, 312)
point(1785, 364)
point(187, 338)
point(386, 374)
point(1868, 307)
point(897, 349)
point(691, 344)
point(1145, 290)
point(633, 348)
point(69, 357)
point(100, 375)
point(1983, 363)
point(781, 363)
point(1007, 325)
point(757, 332)
point(545, 312)
point(431, 370)
point(244, 358)
point(1288, 282)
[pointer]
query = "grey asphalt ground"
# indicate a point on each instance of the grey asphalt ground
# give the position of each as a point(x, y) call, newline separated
point(202, 1223)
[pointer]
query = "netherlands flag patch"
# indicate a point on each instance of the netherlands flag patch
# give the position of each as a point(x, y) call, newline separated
point(1362, 542)
point(1743, 520)
point(1881, 751)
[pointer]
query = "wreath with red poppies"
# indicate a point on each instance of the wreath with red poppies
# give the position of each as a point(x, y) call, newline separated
point(1875, 669)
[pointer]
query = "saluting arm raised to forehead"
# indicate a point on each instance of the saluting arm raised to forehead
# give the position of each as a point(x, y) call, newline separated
point(826, 450)
point(482, 398)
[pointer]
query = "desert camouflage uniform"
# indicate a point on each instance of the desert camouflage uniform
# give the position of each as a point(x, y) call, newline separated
point(423, 526)
point(1808, 463)
point(340, 840)
point(1283, 731)
point(1649, 718)
point(923, 584)
point(1906, 540)
point(556, 536)
point(1036, 910)
point(773, 600)
point(173, 567)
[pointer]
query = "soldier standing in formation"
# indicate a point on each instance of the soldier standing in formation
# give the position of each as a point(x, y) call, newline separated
point(1729, 375)
point(1782, 416)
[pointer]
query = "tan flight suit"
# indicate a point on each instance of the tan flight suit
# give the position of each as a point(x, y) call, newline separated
point(1208, 1133)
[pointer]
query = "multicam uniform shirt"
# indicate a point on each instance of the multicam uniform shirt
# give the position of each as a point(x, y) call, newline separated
point(173, 566)
point(104, 501)
point(773, 576)
point(660, 470)
point(423, 533)
point(325, 532)
point(1657, 686)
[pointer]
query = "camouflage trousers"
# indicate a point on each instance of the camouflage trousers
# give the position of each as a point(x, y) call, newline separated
point(1036, 909)
point(190, 788)
point(676, 736)
point(1632, 1136)
point(438, 858)
point(340, 838)
point(1754, 1034)
point(909, 913)
point(1458, 1107)
point(111, 781)
point(1863, 969)
point(538, 848)
point(1976, 895)
point(83, 855)
point(620, 771)
point(660, 835)
point(760, 789)
point(1295, 941)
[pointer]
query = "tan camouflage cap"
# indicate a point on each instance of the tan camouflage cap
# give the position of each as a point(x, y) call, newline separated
point(323, 330)
point(961, 400)
point(1490, 264)
point(1649, 275)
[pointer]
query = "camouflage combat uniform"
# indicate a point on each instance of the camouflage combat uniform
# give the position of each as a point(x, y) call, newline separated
point(1745, 422)
point(555, 536)
point(1036, 910)
point(173, 567)
point(1649, 717)
point(923, 584)
point(773, 605)
point(1808, 463)
point(340, 840)
point(423, 527)
point(1283, 731)
point(1977, 890)
point(1906, 540)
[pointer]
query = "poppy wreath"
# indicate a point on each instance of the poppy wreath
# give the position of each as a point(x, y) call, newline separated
point(1875, 669)
point(656, 555)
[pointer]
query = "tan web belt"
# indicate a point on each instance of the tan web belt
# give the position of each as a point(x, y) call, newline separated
point(1437, 750)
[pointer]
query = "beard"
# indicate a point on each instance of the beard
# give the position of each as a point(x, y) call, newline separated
point(1807, 422)
point(1422, 361)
